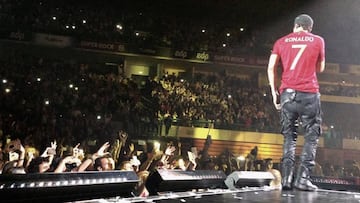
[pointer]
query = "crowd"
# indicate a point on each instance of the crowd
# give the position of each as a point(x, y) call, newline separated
point(147, 25)
point(123, 154)
point(60, 116)
point(235, 27)
point(44, 99)
point(352, 90)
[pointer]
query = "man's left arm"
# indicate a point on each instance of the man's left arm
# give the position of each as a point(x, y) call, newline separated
point(320, 65)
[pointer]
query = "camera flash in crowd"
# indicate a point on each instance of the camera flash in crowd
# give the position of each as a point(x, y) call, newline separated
point(4, 81)
point(71, 86)
point(98, 117)
point(119, 26)
point(47, 102)
point(7, 90)
point(38, 79)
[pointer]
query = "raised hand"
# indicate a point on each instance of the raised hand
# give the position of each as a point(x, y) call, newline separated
point(123, 137)
point(77, 152)
point(102, 151)
point(50, 151)
point(170, 150)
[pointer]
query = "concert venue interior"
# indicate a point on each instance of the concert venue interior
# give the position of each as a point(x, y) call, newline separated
point(175, 96)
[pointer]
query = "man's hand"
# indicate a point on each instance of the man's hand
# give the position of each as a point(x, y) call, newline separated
point(50, 151)
point(122, 137)
point(276, 99)
point(101, 151)
point(170, 150)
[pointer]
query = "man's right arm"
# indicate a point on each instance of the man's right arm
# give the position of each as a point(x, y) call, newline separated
point(271, 71)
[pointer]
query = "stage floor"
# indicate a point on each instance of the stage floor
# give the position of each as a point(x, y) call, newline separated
point(245, 195)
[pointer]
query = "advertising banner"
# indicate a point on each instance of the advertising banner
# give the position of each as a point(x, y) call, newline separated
point(52, 40)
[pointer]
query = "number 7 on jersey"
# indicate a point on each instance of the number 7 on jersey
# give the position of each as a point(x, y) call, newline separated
point(301, 48)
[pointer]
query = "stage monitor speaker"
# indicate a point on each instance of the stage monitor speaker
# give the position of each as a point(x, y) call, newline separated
point(66, 187)
point(239, 179)
point(180, 181)
point(337, 183)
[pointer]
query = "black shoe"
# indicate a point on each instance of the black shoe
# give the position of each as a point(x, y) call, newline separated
point(287, 183)
point(305, 185)
point(287, 186)
point(287, 178)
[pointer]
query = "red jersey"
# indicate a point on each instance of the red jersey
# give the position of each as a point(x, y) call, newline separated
point(299, 53)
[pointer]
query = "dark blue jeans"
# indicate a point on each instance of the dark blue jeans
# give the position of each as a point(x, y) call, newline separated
point(300, 108)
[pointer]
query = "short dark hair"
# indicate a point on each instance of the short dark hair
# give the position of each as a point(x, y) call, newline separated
point(305, 21)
